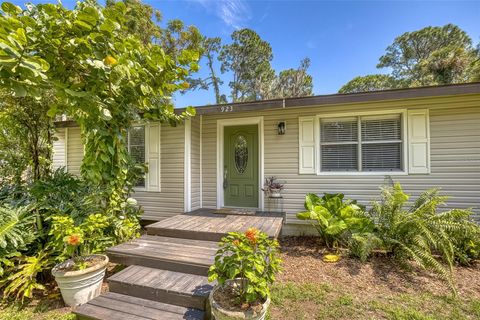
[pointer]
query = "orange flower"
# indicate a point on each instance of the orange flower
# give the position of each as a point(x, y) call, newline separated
point(236, 242)
point(251, 235)
point(73, 239)
point(110, 61)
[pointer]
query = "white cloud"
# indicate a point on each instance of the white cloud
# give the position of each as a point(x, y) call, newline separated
point(234, 13)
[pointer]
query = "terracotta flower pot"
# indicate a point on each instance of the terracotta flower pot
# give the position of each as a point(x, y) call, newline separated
point(80, 286)
point(220, 313)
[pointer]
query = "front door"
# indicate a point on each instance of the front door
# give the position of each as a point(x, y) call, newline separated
point(240, 172)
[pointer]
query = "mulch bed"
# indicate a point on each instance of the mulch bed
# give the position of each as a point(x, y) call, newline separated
point(380, 276)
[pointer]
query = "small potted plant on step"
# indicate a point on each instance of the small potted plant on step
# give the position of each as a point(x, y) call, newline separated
point(272, 187)
point(245, 267)
point(80, 275)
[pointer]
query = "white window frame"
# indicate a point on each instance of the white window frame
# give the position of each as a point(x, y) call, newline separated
point(404, 132)
point(145, 176)
point(148, 155)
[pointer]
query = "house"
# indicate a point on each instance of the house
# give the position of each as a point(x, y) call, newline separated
point(351, 143)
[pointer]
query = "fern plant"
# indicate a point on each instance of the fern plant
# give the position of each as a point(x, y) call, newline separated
point(420, 233)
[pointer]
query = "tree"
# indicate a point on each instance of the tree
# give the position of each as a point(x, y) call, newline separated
point(373, 82)
point(103, 77)
point(210, 49)
point(141, 20)
point(26, 138)
point(174, 38)
point(429, 56)
point(410, 52)
point(295, 82)
point(248, 58)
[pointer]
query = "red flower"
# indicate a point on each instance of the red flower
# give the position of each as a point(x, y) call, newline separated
point(252, 234)
point(73, 239)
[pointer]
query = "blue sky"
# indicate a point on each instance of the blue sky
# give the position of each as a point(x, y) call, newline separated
point(343, 39)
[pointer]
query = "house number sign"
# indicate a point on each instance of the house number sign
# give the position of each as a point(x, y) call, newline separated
point(226, 108)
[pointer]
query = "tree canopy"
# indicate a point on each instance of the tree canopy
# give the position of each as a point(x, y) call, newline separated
point(248, 57)
point(101, 75)
point(369, 83)
point(429, 56)
point(295, 82)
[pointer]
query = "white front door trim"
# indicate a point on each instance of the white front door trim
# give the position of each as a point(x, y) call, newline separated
point(221, 124)
point(188, 166)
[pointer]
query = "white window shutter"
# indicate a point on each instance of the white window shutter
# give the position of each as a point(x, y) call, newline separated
point(306, 145)
point(418, 142)
point(153, 156)
point(59, 158)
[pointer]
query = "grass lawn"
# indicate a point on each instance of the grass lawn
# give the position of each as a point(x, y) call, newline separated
point(309, 288)
point(38, 309)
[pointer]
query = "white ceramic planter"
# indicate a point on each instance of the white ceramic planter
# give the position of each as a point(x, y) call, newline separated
point(80, 286)
point(275, 193)
point(220, 313)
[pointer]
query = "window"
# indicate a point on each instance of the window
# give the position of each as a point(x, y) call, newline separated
point(136, 148)
point(365, 143)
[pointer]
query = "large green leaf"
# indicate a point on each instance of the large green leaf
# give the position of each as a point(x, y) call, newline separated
point(336, 227)
point(311, 200)
point(10, 8)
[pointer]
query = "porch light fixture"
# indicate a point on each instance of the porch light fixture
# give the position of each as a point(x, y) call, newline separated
point(282, 128)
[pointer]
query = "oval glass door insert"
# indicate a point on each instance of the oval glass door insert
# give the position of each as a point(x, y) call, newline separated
point(241, 154)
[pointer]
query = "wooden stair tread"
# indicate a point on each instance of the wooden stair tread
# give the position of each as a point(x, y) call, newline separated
point(213, 228)
point(121, 307)
point(166, 286)
point(185, 255)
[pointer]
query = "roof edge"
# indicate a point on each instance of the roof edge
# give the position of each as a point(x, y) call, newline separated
point(341, 98)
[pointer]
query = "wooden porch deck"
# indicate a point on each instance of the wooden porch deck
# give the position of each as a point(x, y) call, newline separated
point(167, 277)
point(204, 224)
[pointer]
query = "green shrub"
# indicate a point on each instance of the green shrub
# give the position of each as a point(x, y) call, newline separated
point(335, 219)
point(17, 230)
point(467, 246)
point(36, 218)
point(420, 232)
point(361, 245)
point(250, 256)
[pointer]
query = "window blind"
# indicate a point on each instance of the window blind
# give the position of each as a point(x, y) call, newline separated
point(381, 143)
point(339, 144)
point(370, 143)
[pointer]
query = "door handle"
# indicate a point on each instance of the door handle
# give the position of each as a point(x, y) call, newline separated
point(225, 181)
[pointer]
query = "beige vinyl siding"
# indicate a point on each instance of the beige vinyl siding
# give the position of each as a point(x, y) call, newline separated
point(74, 150)
point(195, 163)
point(454, 144)
point(59, 152)
point(209, 159)
point(170, 201)
point(156, 205)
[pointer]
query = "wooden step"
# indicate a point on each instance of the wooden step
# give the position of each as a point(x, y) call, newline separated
point(176, 288)
point(175, 254)
point(116, 306)
point(213, 228)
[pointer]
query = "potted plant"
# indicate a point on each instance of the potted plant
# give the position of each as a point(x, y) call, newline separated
point(80, 275)
point(244, 268)
point(272, 187)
